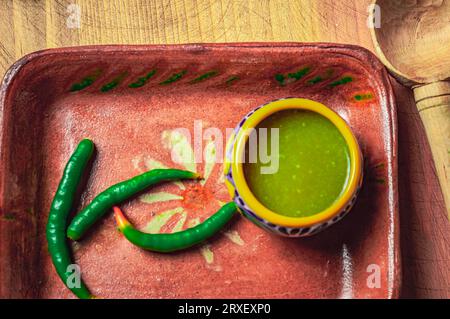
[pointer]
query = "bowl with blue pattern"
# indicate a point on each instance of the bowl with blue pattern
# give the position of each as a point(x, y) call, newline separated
point(250, 207)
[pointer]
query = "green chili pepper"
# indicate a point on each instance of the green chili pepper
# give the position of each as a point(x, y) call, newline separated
point(118, 193)
point(59, 212)
point(179, 240)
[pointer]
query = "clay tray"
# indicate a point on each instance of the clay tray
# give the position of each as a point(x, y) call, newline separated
point(52, 99)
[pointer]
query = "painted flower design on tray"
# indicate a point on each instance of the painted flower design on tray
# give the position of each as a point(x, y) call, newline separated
point(191, 202)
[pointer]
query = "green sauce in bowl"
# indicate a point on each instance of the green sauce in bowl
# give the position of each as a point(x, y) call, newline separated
point(314, 164)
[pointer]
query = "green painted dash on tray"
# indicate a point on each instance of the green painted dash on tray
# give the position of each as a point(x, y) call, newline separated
point(363, 96)
point(204, 76)
point(279, 78)
point(341, 81)
point(231, 79)
point(115, 82)
point(173, 78)
point(295, 76)
point(9, 216)
point(315, 80)
point(86, 81)
point(299, 74)
point(379, 165)
point(321, 77)
point(142, 80)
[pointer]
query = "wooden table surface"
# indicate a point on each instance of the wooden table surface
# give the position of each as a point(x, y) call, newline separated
point(27, 26)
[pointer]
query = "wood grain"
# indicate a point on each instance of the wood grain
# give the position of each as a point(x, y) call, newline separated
point(433, 103)
point(409, 42)
point(27, 26)
point(410, 37)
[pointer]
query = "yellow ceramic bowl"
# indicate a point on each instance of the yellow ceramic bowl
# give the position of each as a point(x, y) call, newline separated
point(251, 208)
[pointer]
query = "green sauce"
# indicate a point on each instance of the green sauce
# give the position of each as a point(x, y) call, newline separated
point(314, 164)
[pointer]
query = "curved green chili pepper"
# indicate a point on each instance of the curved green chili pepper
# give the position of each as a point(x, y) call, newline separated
point(119, 193)
point(59, 211)
point(179, 240)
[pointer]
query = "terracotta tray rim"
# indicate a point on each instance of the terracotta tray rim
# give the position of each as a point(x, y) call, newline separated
point(363, 55)
point(193, 47)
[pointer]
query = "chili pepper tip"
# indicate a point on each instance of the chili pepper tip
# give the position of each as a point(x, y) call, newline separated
point(121, 220)
point(198, 176)
point(72, 236)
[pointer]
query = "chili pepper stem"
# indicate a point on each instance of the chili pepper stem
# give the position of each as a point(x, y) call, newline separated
point(121, 220)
